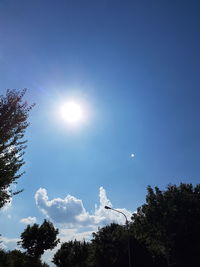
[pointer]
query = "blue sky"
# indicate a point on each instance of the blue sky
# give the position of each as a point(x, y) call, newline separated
point(134, 66)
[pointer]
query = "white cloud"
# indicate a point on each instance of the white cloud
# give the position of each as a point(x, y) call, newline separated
point(108, 216)
point(48, 256)
point(7, 206)
point(71, 212)
point(8, 243)
point(28, 220)
point(72, 234)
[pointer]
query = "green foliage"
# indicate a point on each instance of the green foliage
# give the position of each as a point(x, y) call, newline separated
point(36, 239)
point(13, 123)
point(168, 223)
point(3, 258)
point(16, 258)
point(110, 247)
point(72, 254)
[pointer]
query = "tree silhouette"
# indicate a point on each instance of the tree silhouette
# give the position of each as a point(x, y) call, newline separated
point(16, 258)
point(36, 239)
point(13, 123)
point(109, 248)
point(72, 254)
point(168, 223)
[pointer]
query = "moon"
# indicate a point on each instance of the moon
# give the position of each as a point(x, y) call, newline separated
point(71, 112)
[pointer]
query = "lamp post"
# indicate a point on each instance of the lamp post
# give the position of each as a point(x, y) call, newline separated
point(129, 252)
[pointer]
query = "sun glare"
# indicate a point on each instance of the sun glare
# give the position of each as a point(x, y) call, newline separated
point(71, 112)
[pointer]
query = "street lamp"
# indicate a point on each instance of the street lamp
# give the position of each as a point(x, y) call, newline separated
point(129, 252)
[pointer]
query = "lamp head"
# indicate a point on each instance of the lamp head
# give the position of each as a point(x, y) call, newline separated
point(106, 207)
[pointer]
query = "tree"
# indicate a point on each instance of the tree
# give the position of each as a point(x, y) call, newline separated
point(3, 258)
point(109, 248)
point(72, 254)
point(16, 258)
point(168, 223)
point(36, 239)
point(14, 113)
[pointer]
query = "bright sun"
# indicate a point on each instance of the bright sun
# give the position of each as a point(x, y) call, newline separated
point(71, 112)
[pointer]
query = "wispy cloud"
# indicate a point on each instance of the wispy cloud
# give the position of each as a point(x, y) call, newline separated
point(28, 220)
point(71, 211)
point(8, 243)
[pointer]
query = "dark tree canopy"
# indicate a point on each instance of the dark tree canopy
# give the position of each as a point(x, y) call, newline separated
point(36, 239)
point(72, 254)
point(168, 223)
point(109, 246)
point(14, 112)
point(16, 258)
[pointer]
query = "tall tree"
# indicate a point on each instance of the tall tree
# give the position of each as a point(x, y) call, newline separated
point(168, 223)
point(14, 112)
point(36, 239)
